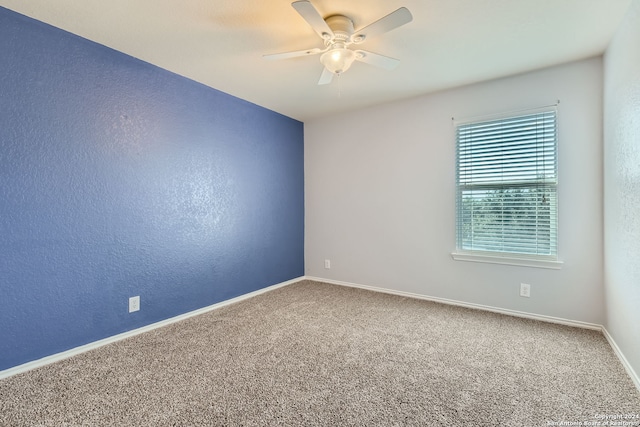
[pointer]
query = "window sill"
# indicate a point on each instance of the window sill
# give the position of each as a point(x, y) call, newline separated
point(521, 262)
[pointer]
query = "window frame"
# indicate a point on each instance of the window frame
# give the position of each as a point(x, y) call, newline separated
point(499, 257)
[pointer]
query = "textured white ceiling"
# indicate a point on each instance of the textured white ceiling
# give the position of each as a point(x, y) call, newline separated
point(220, 43)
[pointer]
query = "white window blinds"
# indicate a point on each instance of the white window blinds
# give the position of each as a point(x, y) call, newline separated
point(507, 186)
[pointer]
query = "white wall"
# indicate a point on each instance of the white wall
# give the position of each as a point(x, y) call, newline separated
point(622, 186)
point(380, 195)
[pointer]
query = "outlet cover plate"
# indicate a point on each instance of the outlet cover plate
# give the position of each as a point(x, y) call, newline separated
point(134, 304)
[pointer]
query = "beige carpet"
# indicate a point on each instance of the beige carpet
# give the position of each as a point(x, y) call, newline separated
point(313, 354)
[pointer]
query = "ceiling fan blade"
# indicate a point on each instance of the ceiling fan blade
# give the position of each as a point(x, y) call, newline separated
point(287, 55)
point(376, 59)
point(326, 77)
point(313, 18)
point(387, 23)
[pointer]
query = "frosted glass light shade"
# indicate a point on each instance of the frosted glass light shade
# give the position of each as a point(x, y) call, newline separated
point(338, 60)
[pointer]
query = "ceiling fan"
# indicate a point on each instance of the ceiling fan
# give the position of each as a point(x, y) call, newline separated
point(338, 34)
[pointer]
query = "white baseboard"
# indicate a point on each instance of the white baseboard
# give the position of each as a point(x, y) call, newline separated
point(516, 313)
point(625, 363)
point(627, 366)
point(90, 346)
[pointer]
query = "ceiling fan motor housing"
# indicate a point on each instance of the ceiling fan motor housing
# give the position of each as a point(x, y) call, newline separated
point(342, 28)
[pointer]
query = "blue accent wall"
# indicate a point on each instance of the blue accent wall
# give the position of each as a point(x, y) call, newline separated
point(118, 178)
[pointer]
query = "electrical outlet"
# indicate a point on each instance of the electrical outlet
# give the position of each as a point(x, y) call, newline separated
point(525, 290)
point(327, 264)
point(134, 304)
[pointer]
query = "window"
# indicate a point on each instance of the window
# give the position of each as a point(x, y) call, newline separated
point(507, 204)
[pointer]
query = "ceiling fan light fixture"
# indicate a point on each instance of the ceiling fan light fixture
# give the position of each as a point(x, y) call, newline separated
point(338, 60)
